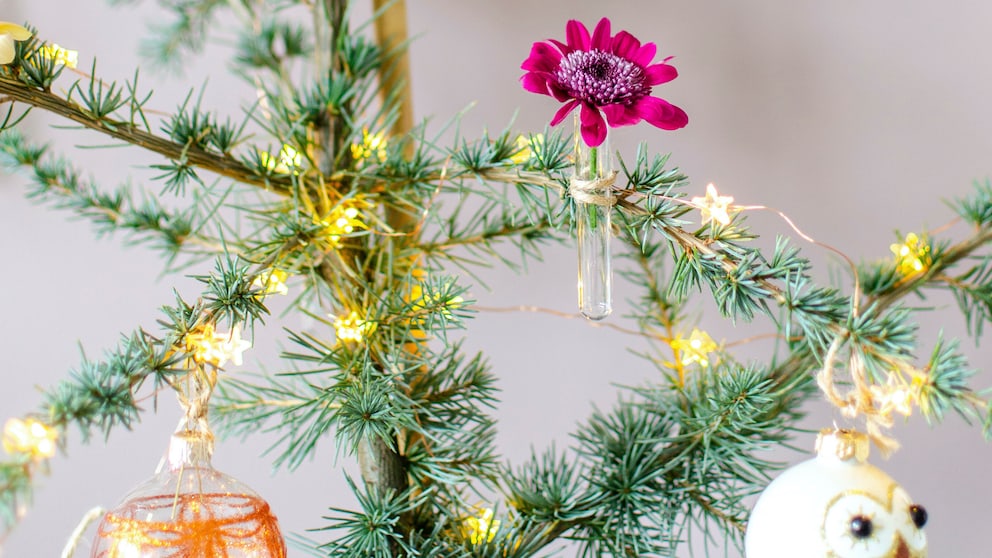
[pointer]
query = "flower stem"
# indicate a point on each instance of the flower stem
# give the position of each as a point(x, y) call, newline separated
point(593, 171)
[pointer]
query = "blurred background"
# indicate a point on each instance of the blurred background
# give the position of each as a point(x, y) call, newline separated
point(855, 118)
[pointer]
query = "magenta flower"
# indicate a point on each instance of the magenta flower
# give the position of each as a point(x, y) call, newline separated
point(604, 75)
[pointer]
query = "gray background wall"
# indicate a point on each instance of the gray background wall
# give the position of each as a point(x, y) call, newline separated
point(855, 118)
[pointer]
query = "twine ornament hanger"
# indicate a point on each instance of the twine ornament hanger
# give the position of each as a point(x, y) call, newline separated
point(588, 191)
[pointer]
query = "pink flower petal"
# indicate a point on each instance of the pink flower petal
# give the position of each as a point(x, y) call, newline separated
point(565, 49)
point(577, 35)
point(657, 74)
point(601, 38)
point(543, 58)
point(661, 113)
point(563, 112)
point(536, 82)
point(557, 91)
point(592, 125)
point(625, 45)
point(619, 114)
point(645, 55)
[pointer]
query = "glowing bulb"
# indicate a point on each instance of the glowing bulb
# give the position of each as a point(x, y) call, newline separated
point(215, 348)
point(912, 255)
point(63, 56)
point(896, 396)
point(343, 219)
point(232, 347)
point(29, 436)
point(126, 549)
point(288, 161)
point(373, 146)
point(481, 528)
point(524, 148)
point(272, 281)
point(352, 328)
point(713, 206)
point(696, 348)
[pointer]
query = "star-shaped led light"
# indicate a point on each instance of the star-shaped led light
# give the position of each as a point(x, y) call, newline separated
point(288, 161)
point(232, 347)
point(373, 147)
point(713, 206)
point(912, 255)
point(343, 220)
point(525, 146)
point(30, 437)
point(215, 348)
point(66, 57)
point(896, 395)
point(696, 348)
point(352, 328)
point(481, 528)
point(272, 281)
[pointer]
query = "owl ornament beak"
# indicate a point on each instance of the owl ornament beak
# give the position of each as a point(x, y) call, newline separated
point(903, 551)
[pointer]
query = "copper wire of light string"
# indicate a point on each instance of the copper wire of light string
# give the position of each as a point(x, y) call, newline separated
point(859, 399)
point(856, 296)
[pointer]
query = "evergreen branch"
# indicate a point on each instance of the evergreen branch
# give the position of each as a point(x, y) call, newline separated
point(945, 386)
point(55, 180)
point(973, 292)
point(186, 33)
point(183, 154)
point(935, 273)
point(102, 395)
point(16, 490)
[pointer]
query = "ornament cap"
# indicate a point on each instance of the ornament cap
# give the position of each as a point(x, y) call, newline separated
point(190, 448)
point(842, 444)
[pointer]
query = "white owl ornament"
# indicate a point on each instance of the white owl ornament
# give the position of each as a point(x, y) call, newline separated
point(836, 505)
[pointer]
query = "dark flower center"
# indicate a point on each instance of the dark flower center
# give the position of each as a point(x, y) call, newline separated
point(601, 78)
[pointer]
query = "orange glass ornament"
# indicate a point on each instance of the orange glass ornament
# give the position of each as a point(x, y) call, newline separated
point(190, 510)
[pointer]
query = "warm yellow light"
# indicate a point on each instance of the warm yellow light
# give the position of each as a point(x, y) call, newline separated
point(913, 255)
point(696, 348)
point(211, 347)
point(126, 549)
point(232, 347)
point(10, 32)
point(896, 395)
point(352, 328)
point(288, 161)
point(422, 301)
point(343, 220)
point(272, 281)
point(30, 437)
point(902, 400)
point(525, 146)
point(63, 56)
point(481, 528)
point(373, 146)
point(713, 206)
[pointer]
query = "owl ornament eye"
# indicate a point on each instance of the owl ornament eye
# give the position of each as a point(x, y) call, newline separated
point(836, 505)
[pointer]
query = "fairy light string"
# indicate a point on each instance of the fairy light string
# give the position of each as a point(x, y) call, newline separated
point(876, 403)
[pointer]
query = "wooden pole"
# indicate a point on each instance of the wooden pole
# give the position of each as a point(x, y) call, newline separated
point(391, 33)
